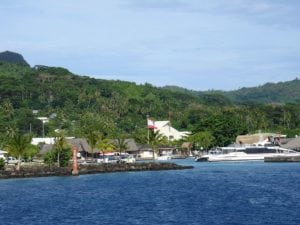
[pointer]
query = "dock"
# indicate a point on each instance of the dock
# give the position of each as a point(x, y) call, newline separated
point(288, 158)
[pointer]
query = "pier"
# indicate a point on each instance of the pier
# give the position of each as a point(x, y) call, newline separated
point(295, 158)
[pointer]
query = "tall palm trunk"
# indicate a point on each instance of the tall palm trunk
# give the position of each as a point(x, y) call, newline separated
point(19, 163)
point(58, 159)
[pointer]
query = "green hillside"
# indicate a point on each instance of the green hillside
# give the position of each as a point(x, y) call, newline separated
point(269, 93)
point(282, 92)
point(80, 104)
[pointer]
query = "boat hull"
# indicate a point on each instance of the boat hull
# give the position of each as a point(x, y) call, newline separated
point(254, 157)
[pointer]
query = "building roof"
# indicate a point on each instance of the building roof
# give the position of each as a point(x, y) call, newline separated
point(46, 140)
point(144, 147)
point(255, 138)
point(160, 124)
point(2, 152)
point(44, 148)
point(130, 142)
point(164, 127)
point(293, 144)
point(81, 144)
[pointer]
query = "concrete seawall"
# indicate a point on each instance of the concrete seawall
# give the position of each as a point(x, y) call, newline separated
point(283, 159)
point(45, 171)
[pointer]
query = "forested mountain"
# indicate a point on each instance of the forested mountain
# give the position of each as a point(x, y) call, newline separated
point(269, 93)
point(282, 92)
point(79, 104)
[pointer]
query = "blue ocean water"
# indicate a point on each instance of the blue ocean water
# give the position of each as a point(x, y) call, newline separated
point(211, 193)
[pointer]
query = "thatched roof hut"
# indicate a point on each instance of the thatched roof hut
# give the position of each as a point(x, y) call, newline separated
point(131, 145)
point(293, 144)
point(255, 138)
point(81, 144)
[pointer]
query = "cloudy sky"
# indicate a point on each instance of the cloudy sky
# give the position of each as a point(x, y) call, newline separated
point(196, 44)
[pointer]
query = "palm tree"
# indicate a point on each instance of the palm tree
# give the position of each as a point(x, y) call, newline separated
point(121, 144)
point(17, 145)
point(93, 137)
point(105, 145)
point(8, 109)
point(155, 139)
point(60, 144)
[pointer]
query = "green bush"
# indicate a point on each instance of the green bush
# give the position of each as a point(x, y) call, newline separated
point(51, 157)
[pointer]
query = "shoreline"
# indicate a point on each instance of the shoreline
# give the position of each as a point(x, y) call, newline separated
point(46, 171)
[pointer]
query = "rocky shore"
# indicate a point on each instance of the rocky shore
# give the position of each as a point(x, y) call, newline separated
point(46, 171)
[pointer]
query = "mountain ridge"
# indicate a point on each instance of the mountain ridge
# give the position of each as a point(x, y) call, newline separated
point(268, 93)
point(13, 57)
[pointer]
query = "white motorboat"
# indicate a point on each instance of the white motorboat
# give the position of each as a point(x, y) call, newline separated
point(246, 153)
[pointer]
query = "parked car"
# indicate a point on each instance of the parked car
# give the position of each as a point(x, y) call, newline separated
point(12, 160)
point(127, 159)
point(111, 159)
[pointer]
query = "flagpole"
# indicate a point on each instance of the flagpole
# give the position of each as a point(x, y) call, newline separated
point(148, 130)
point(148, 136)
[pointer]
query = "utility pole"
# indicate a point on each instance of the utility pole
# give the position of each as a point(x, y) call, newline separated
point(43, 128)
point(44, 120)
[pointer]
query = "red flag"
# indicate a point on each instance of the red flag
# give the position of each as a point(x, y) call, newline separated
point(151, 124)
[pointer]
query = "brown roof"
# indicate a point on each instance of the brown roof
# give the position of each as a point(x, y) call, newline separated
point(144, 147)
point(130, 143)
point(254, 138)
point(44, 148)
point(81, 144)
point(293, 144)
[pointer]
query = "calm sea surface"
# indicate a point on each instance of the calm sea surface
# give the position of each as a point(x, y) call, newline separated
point(211, 193)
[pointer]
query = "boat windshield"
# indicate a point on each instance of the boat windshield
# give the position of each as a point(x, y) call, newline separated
point(214, 152)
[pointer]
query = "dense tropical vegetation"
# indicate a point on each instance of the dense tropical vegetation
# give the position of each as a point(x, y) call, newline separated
point(99, 109)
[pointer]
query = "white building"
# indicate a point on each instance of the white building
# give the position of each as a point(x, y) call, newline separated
point(165, 129)
point(3, 154)
point(46, 140)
